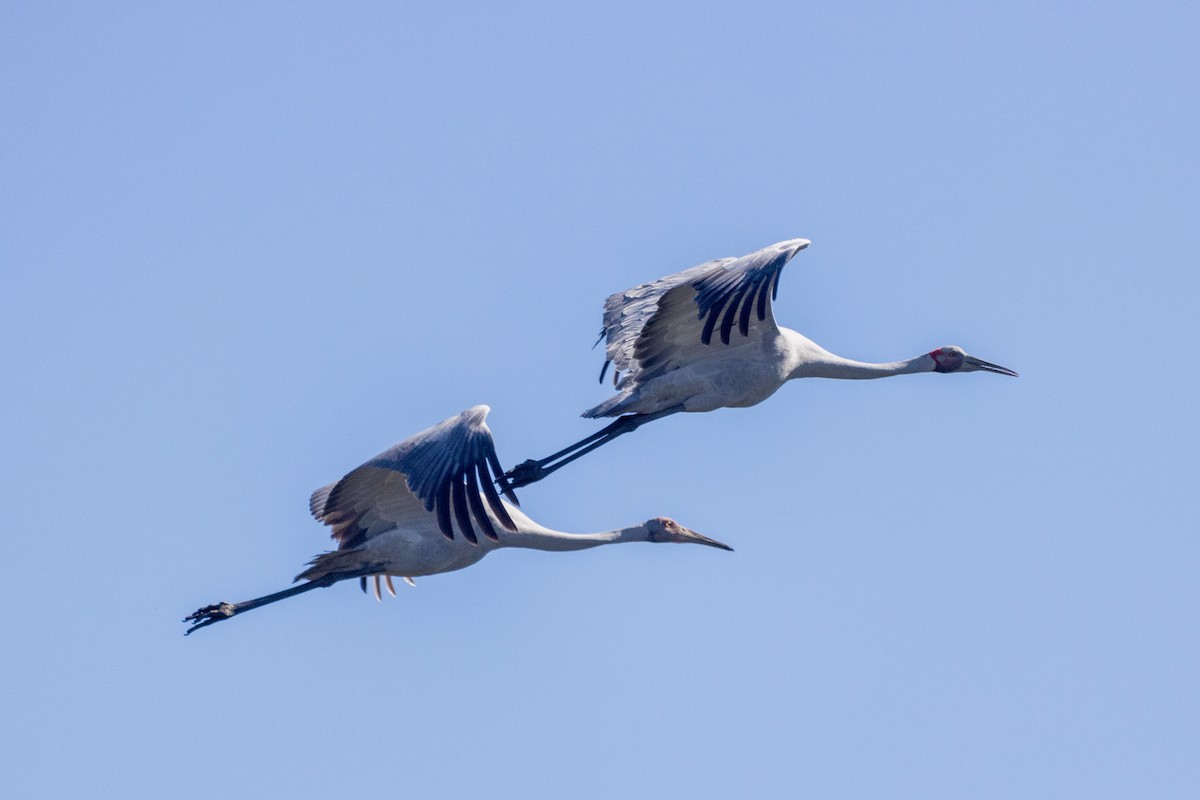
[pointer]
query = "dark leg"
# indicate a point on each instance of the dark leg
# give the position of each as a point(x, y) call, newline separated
point(531, 471)
point(222, 611)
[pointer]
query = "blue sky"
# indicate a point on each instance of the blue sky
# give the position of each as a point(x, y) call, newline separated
point(248, 246)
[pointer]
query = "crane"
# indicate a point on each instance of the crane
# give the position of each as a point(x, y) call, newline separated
point(428, 505)
point(706, 338)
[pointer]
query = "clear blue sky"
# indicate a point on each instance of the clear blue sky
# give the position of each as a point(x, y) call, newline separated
point(247, 246)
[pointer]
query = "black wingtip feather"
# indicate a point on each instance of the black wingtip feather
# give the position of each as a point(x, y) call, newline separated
point(711, 322)
point(493, 499)
point(505, 486)
point(460, 510)
point(747, 307)
point(732, 312)
point(477, 508)
point(442, 506)
point(763, 291)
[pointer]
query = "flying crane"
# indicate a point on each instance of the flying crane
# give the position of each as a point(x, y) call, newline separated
point(428, 505)
point(706, 338)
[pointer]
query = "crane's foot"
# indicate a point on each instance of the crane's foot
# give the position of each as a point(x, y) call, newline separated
point(525, 473)
point(208, 615)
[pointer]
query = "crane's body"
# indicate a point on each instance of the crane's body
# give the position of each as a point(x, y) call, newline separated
point(744, 377)
point(706, 338)
point(428, 506)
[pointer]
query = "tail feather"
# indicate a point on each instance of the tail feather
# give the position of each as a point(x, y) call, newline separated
point(612, 407)
point(336, 561)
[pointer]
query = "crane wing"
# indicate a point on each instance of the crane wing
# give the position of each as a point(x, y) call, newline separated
point(436, 475)
point(654, 328)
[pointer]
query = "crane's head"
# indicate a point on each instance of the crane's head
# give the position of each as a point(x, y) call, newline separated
point(952, 358)
point(661, 529)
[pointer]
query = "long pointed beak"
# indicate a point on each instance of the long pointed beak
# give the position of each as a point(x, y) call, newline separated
point(699, 538)
point(987, 366)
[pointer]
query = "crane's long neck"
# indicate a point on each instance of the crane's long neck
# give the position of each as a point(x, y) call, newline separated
point(863, 370)
point(813, 361)
point(545, 539)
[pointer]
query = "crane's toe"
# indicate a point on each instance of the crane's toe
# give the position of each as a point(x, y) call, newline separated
point(210, 614)
point(525, 473)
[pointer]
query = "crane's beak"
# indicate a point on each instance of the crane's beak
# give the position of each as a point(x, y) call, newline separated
point(987, 366)
point(690, 535)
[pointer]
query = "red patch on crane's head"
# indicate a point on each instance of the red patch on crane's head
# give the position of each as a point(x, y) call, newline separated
point(947, 359)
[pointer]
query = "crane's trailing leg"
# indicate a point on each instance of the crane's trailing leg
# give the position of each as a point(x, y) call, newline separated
point(221, 611)
point(531, 471)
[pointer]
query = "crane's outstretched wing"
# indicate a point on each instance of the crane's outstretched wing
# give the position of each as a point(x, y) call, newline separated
point(437, 474)
point(653, 328)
